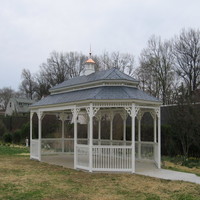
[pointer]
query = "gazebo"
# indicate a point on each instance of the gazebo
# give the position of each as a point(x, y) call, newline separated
point(90, 99)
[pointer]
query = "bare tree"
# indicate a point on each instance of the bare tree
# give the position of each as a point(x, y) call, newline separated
point(122, 61)
point(74, 62)
point(62, 66)
point(187, 56)
point(55, 70)
point(28, 85)
point(5, 94)
point(42, 85)
point(156, 68)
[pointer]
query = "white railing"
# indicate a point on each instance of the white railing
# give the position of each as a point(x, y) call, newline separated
point(111, 158)
point(82, 156)
point(34, 149)
point(107, 155)
point(82, 141)
point(111, 142)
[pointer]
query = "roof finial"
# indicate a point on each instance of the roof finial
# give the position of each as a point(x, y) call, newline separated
point(90, 53)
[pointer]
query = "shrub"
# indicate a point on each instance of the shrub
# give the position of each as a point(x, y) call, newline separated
point(16, 137)
point(2, 129)
point(191, 162)
point(7, 137)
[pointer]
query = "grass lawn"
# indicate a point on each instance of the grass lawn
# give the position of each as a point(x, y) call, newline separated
point(22, 178)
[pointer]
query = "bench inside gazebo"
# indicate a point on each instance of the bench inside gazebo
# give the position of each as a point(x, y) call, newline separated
point(97, 120)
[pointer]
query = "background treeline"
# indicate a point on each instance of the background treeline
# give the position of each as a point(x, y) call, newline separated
point(163, 68)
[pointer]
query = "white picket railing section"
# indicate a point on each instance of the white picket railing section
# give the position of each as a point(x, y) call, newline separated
point(103, 142)
point(111, 142)
point(82, 156)
point(107, 155)
point(34, 149)
point(111, 158)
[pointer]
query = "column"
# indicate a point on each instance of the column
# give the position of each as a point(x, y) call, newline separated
point(39, 134)
point(63, 131)
point(99, 130)
point(88, 130)
point(75, 114)
point(154, 126)
point(155, 136)
point(133, 114)
point(124, 128)
point(159, 138)
point(31, 132)
point(90, 136)
point(111, 127)
point(139, 137)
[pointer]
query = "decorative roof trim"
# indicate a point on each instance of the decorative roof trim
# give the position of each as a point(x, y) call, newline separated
point(102, 103)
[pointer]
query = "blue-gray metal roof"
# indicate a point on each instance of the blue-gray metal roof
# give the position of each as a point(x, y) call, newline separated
point(110, 74)
point(98, 93)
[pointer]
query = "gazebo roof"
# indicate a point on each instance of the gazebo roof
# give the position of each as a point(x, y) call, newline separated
point(110, 74)
point(103, 85)
point(98, 93)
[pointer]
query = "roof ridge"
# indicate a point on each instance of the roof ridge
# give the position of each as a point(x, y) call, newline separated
point(111, 70)
point(123, 88)
point(124, 74)
point(100, 89)
point(117, 71)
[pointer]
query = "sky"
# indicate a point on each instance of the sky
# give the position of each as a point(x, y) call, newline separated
point(31, 29)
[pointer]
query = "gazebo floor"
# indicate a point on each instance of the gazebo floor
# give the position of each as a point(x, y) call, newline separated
point(67, 161)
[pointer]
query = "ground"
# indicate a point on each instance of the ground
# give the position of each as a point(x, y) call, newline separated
point(22, 178)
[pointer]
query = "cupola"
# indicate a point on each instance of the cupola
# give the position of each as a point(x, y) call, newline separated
point(89, 66)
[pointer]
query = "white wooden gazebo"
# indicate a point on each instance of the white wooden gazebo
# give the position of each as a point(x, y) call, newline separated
point(90, 97)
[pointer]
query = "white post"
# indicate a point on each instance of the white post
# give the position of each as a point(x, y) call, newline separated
point(159, 139)
point(124, 116)
point(99, 131)
point(90, 136)
point(31, 132)
point(39, 134)
point(155, 138)
point(139, 137)
point(88, 131)
point(124, 129)
point(111, 127)
point(63, 131)
point(133, 114)
point(75, 114)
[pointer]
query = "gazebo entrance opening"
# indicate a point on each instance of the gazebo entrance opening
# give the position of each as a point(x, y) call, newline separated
point(96, 137)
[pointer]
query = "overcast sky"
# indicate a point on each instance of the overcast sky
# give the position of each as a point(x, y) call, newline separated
point(31, 29)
